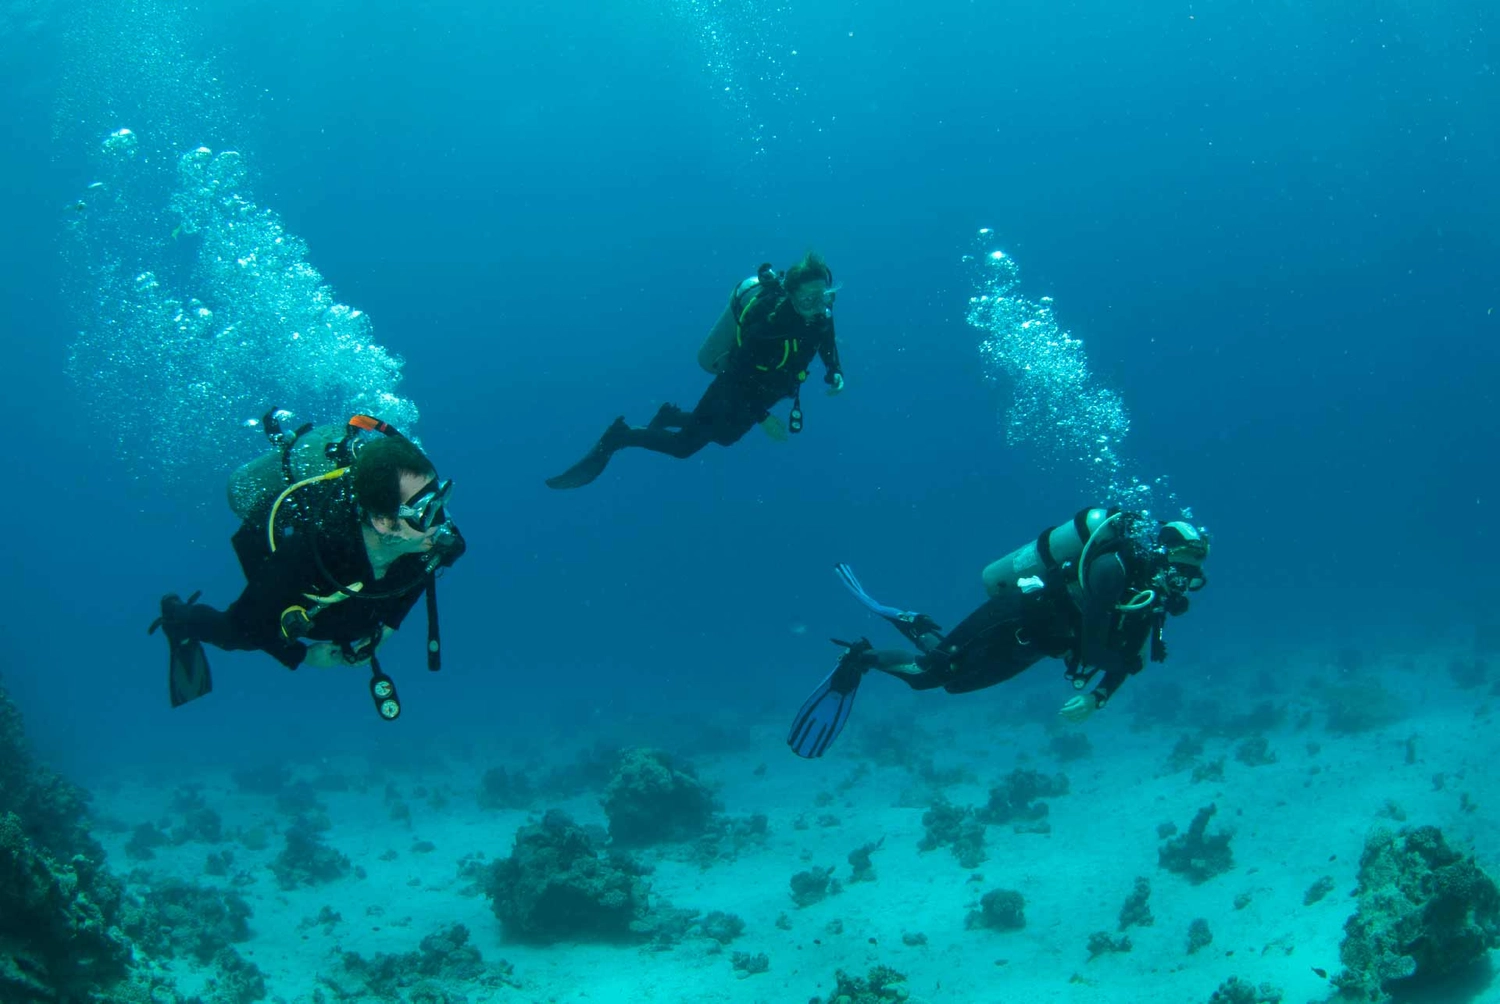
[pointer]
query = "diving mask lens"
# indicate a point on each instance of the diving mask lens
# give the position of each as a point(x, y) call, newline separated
point(425, 509)
point(811, 300)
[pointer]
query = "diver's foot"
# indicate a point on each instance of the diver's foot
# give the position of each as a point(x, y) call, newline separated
point(171, 613)
point(858, 658)
point(668, 416)
point(614, 436)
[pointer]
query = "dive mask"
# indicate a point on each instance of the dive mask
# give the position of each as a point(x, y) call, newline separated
point(811, 302)
point(425, 509)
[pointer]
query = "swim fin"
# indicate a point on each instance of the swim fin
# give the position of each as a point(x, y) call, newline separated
point(827, 708)
point(188, 677)
point(919, 629)
point(594, 462)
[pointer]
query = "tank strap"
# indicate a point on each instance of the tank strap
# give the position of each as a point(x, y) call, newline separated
point(271, 426)
point(287, 442)
point(1044, 549)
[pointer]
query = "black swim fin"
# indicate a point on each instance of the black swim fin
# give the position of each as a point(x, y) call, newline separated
point(594, 462)
point(827, 708)
point(188, 677)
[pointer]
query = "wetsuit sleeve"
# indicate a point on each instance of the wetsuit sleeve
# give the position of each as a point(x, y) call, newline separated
point(1106, 587)
point(828, 351)
point(276, 585)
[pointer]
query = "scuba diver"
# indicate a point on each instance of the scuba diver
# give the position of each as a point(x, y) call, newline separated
point(1094, 592)
point(759, 352)
point(344, 527)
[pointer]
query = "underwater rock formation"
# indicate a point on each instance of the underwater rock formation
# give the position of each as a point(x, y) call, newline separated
point(651, 798)
point(444, 958)
point(1237, 991)
point(1137, 909)
point(1014, 801)
point(882, 984)
point(555, 886)
point(307, 860)
point(505, 789)
point(1425, 910)
point(1197, 854)
point(60, 909)
point(999, 910)
point(947, 824)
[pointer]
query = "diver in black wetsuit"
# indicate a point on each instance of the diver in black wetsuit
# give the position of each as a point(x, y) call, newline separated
point(332, 564)
point(1090, 592)
point(759, 352)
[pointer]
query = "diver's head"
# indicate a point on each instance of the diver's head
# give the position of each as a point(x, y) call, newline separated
point(399, 495)
point(1184, 549)
point(809, 287)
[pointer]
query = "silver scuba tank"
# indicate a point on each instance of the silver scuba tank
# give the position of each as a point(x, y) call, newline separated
point(1052, 548)
point(713, 355)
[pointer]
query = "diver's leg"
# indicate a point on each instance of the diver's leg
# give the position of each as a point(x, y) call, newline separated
point(728, 410)
point(669, 416)
point(681, 443)
point(908, 667)
point(989, 646)
point(201, 622)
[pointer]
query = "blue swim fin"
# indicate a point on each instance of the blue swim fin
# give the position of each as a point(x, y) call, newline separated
point(827, 708)
point(919, 629)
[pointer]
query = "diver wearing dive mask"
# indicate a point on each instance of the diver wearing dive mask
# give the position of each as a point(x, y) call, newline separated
point(333, 566)
point(1094, 592)
point(760, 352)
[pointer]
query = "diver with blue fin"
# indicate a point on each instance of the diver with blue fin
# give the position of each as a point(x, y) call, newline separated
point(758, 352)
point(343, 528)
point(1094, 592)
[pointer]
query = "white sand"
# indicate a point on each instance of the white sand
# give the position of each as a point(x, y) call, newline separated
point(1291, 827)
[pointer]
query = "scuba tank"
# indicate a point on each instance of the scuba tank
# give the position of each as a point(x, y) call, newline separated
point(1053, 548)
point(305, 453)
point(713, 354)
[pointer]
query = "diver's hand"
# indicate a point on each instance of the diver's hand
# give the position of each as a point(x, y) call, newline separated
point(836, 385)
point(774, 428)
point(324, 655)
point(1079, 708)
point(330, 655)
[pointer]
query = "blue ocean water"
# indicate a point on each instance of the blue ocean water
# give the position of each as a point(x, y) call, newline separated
point(1275, 229)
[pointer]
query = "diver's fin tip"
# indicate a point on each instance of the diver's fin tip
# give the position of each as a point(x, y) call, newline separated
point(188, 676)
point(582, 473)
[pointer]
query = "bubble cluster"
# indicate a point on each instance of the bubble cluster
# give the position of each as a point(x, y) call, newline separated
point(1057, 406)
point(227, 318)
point(747, 49)
point(195, 307)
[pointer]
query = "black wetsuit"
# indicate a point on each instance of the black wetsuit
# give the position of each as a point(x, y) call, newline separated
point(277, 581)
point(776, 345)
point(1015, 630)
